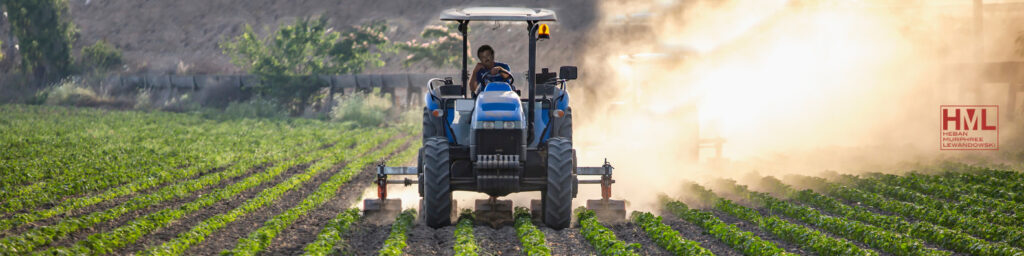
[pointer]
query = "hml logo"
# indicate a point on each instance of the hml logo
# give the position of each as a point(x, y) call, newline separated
point(968, 121)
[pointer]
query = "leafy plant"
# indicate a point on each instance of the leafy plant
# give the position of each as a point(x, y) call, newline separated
point(665, 236)
point(395, 242)
point(531, 237)
point(465, 243)
point(287, 60)
point(243, 163)
point(101, 56)
point(946, 238)
point(743, 241)
point(331, 234)
point(601, 238)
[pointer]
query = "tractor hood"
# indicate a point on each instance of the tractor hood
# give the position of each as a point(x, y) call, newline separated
point(498, 106)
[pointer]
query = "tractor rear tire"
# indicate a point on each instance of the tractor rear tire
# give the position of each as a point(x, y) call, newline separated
point(558, 195)
point(437, 193)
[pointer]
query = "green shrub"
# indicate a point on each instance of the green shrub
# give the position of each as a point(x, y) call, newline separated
point(101, 56)
point(365, 109)
point(69, 91)
point(287, 60)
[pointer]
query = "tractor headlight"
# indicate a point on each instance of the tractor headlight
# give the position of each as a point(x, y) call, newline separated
point(510, 125)
point(488, 124)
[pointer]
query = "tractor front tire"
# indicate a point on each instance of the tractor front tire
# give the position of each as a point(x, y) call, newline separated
point(437, 193)
point(557, 198)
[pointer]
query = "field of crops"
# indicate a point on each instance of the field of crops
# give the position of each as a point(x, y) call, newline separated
point(86, 181)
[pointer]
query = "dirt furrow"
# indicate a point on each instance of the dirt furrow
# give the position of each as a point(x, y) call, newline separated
point(173, 202)
point(186, 223)
point(424, 240)
point(501, 241)
point(753, 228)
point(693, 232)
point(227, 237)
point(292, 240)
point(104, 205)
point(630, 233)
point(566, 241)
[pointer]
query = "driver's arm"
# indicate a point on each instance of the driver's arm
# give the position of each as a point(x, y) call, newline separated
point(472, 81)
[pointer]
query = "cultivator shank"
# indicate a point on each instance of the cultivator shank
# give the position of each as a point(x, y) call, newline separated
point(382, 208)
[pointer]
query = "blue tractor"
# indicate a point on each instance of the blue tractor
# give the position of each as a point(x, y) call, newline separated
point(497, 142)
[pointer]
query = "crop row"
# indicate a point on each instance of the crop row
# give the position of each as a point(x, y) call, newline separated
point(876, 237)
point(601, 238)
point(199, 232)
point(531, 237)
point(974, 226)
point(666, 237)
point(465, 242)
point(259, 239)
point(38, 148)
point(944, 237)
point(166, 151)
point(742, 241)
point(129, 233)
point(331, 234)
point(996, 187)
point(77, 203)
point(806, 238)
point(905, 195)
point(912, 188)
point(395, 242)
point(29, 240)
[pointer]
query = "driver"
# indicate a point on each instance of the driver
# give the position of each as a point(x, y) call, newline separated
point(487, 66)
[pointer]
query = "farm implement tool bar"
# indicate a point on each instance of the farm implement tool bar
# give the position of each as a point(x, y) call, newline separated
point(493, 211)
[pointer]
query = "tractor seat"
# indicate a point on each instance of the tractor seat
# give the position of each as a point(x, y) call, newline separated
point(451, 90)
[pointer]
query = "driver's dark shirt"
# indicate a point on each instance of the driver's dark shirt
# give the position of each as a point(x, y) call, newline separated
point(483, 72)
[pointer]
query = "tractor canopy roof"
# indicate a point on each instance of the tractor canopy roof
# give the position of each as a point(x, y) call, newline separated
point(498, 14)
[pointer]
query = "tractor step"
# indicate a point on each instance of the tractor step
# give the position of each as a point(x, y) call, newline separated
point(496, 213)
point(607, 210)
point(537, 210)
point(377, 210)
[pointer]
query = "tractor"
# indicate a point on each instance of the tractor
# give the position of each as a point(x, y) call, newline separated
point(497, 142)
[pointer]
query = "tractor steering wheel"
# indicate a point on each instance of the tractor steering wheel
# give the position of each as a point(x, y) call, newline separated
point(488, 77)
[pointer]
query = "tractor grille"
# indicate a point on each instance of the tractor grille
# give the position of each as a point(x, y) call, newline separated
point(498, 141)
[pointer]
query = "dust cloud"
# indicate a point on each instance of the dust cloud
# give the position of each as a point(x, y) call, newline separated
point(792, 87)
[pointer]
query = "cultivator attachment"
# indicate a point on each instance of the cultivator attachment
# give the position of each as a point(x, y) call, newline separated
point(382, 208)
point(607, 210)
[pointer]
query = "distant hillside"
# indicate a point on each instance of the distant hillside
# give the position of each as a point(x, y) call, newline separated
point(160, 36)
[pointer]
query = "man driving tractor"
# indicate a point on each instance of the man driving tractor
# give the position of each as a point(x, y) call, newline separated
point(487, 68)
